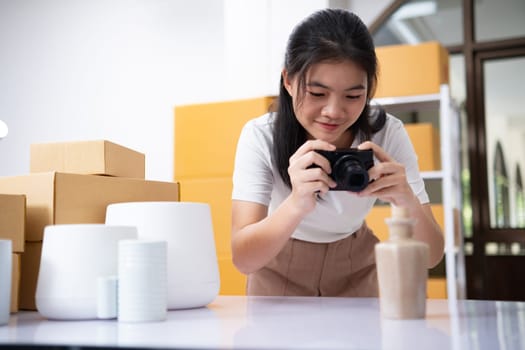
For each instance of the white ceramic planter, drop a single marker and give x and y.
(6, 252)
(193, 274)
(73, 258)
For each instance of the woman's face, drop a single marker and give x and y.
(334, 98)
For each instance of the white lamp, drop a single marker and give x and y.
(3, 129)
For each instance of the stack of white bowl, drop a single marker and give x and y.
(142, 281)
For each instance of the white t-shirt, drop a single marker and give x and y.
(339, 214)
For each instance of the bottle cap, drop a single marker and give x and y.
(399, 212)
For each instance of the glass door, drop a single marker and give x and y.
(501, 237)
(504, 94)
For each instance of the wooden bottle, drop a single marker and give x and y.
(402, 269)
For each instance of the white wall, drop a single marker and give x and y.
(74, 70)
(115, 69)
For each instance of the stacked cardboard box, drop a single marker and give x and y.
(12, 226)
(87, 157)
(74, 183)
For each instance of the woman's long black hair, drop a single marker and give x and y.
(327, 35)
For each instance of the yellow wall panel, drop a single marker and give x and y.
(206, 135)
(439, 214)
(425, 139)
(232, 281)
(376, 219)
(437, 288)
(406, 70)
(217, 193)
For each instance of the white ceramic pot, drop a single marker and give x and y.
(193, 273)
(6, 256)
(73, 258)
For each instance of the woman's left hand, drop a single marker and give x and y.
(390, 184)
(389, 179)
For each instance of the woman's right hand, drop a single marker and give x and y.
(257, 237)
(309, 174)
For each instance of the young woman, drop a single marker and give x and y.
(291, 234)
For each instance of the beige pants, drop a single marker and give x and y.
(342, 268)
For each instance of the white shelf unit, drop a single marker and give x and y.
(449, 175)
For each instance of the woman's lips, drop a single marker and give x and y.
(329, 127)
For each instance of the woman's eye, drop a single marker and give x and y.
(316, 94)
(353, 97)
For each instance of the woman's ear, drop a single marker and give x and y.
(286, 82)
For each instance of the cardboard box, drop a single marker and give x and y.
(61, 198)
(30, 265)
(15, 282)
(12, 219)
(425, 139)
(98, 157)
(407, 70)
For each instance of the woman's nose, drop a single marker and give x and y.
(334, 109)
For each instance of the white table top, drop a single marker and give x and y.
(237, 322)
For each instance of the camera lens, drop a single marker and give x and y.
(349, 174)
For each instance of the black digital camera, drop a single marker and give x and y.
(349, 168)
